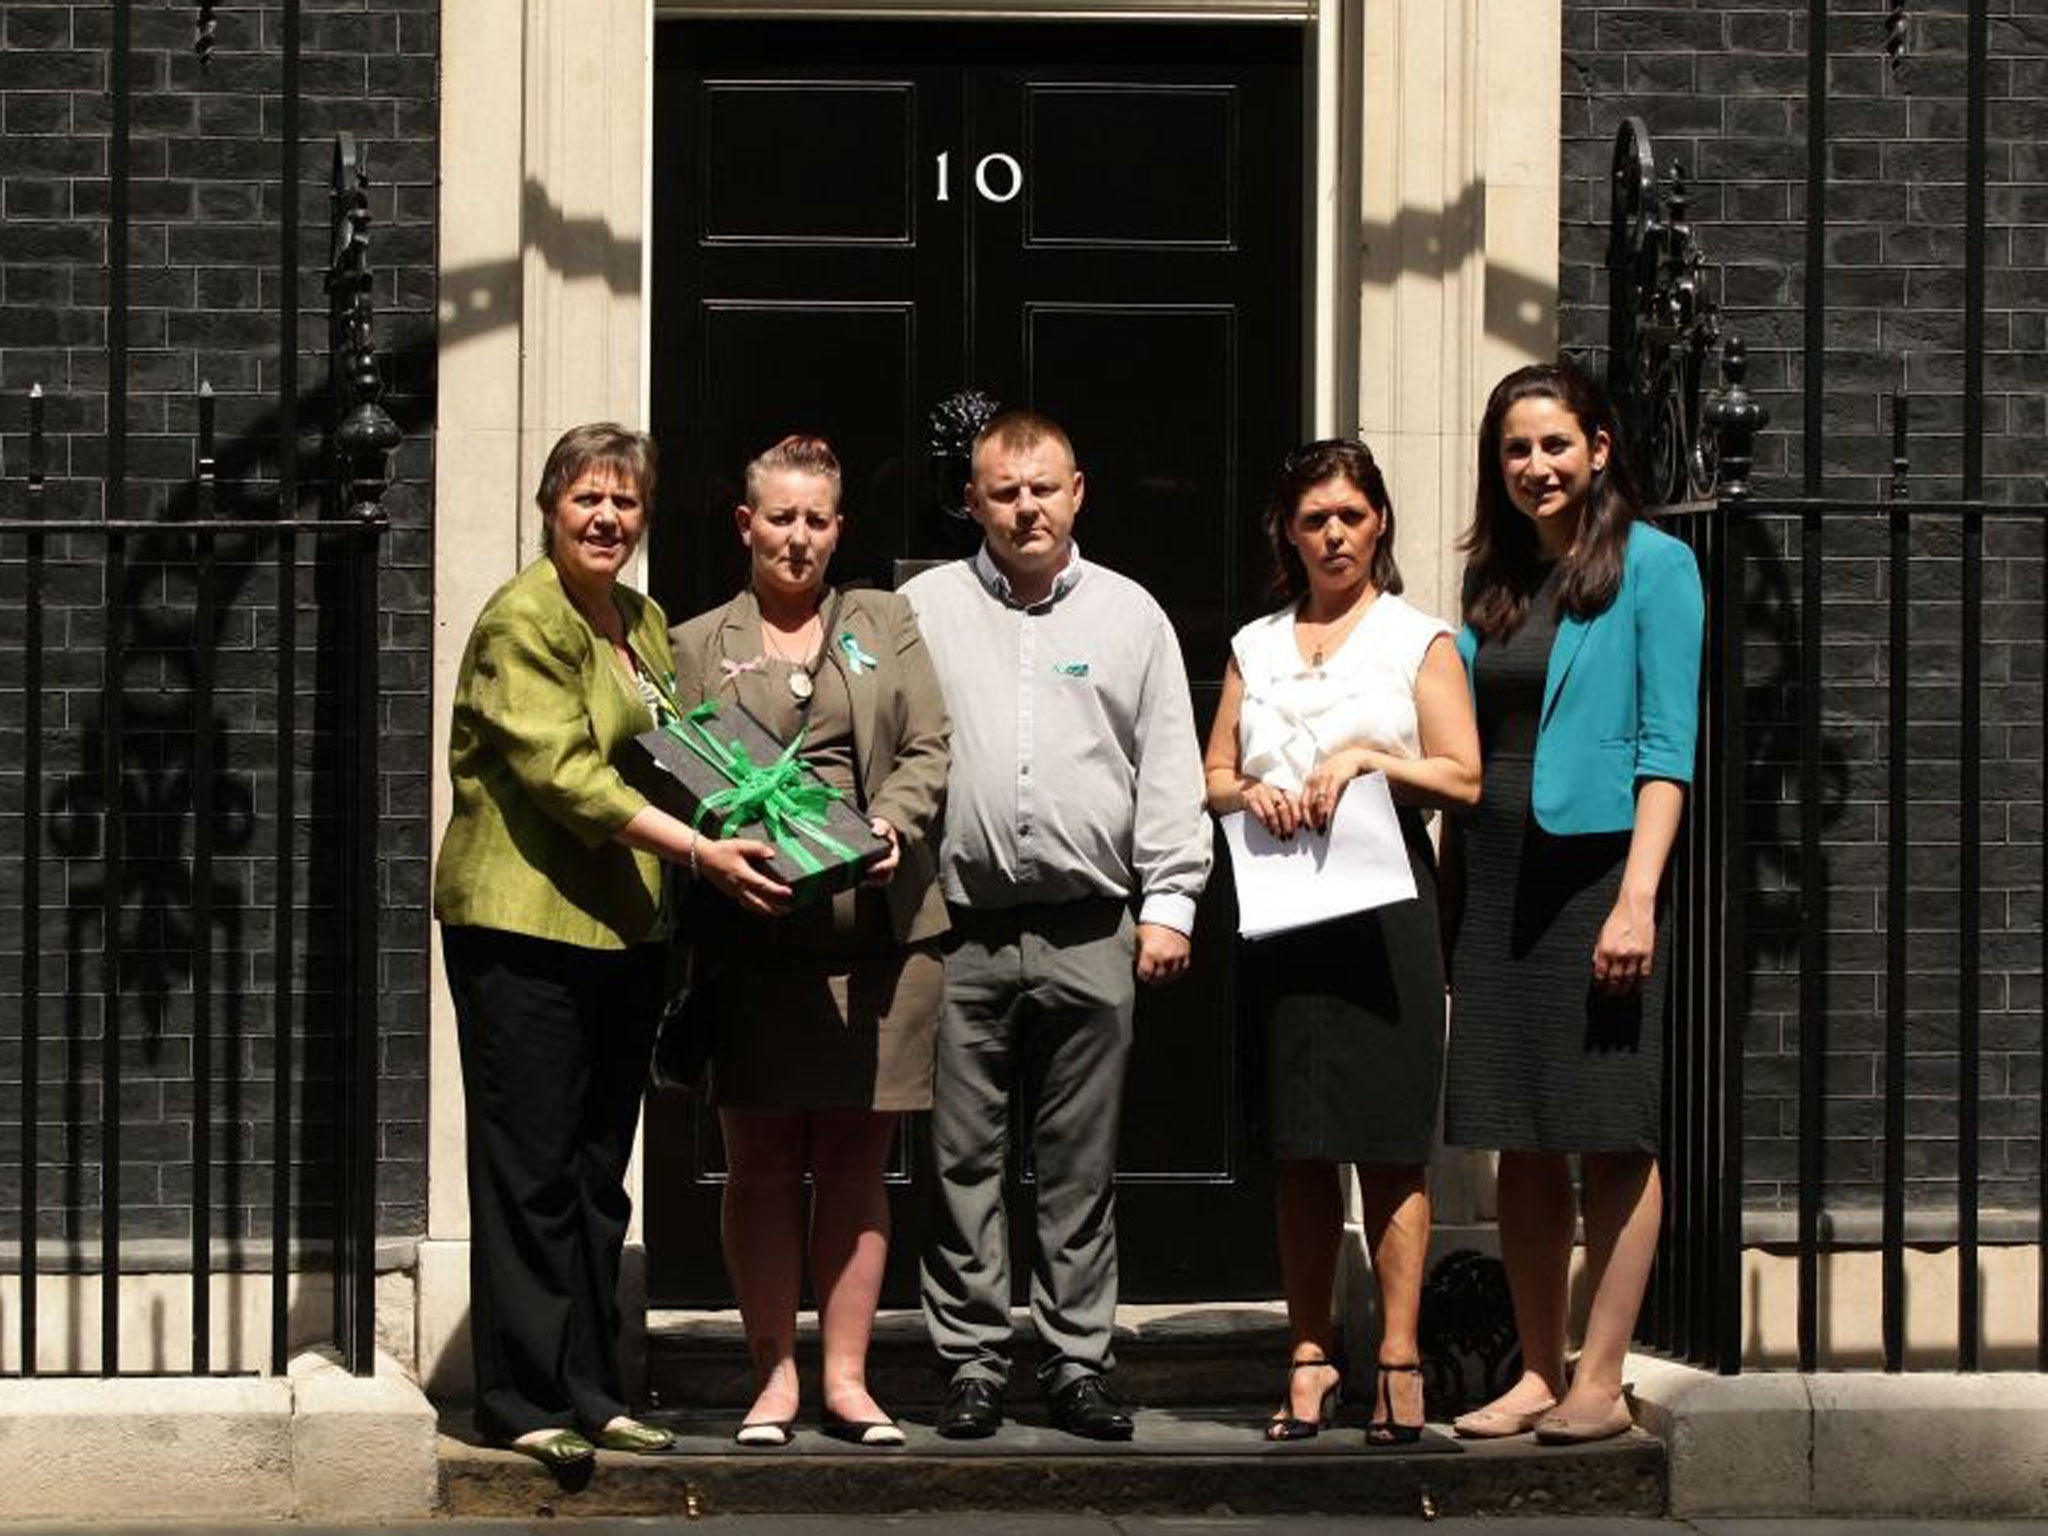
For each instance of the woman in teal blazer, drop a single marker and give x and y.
(1620, 692)
(1582, 644)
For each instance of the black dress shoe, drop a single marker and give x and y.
(973, 1410)
(1086, 1407)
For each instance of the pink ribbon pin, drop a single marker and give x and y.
(732, 669)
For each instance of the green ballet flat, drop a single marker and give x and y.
(558, 1450)
(633, 1436)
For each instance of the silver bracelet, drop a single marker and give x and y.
(695, 838)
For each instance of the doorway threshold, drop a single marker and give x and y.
(1168, 1354)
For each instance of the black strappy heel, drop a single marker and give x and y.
(1287, 1426)
(1391, 1431)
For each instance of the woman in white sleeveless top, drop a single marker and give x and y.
(1343, 1023)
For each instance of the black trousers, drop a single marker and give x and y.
(555, 1040)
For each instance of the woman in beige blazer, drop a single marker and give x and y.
(549, 891)
(824, 1015)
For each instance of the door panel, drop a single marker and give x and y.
(1145, 290)
(1113, 236)
(792, 265)
(754, 374)
(827, 163)
(1158, 506)
(1130, 164)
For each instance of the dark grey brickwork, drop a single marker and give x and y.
(204, 291)
(1722, 87)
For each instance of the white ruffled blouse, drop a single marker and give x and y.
(1363, 694)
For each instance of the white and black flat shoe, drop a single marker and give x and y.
(875, 1432)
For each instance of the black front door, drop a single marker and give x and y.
(1104, 222)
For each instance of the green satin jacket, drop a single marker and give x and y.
(542, 709)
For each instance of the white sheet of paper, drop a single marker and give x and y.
(1359, 864)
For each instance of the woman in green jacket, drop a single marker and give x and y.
(553, 928)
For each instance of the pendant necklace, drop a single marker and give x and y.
(1338, 631)
(800, 683)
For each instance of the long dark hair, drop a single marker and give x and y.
(1503, 560)
(1331, 458)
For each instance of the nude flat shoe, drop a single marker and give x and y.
(1556, 1429)
(1499, 1423)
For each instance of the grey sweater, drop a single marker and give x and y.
(1075, 767)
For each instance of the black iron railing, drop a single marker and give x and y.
(1933, 773)
(1693, 1309)
(1697, 1307)
(278, 611)
(1663, 335)
(1755, 879)
(157, 760)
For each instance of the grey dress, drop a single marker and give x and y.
(822, 1008)
(832, 1006)
(1539, 1060)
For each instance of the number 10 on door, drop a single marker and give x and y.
(997, 178)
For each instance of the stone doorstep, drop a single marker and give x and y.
(1777, 1443)
(1167, 1354)
(1184, 1461)
(316, 1443)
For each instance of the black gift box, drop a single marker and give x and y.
(678, 778)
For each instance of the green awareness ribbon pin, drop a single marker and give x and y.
(857, 660)
(782, 796)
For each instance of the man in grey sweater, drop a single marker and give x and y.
(1075, 793)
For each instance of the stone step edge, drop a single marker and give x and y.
(1623, 1478)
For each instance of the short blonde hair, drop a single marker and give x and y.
(796, 454)
(1019, 428)
(595, 445)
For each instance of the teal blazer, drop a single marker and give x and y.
(1621, 697)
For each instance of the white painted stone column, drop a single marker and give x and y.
(1456, 264)
(544, 157)
(1458, 237)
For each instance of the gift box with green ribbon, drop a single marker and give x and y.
(719, 769)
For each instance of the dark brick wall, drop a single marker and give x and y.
(204, 163)
(1723, 89)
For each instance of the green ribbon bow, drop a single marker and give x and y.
(857, 660)
(783, 796)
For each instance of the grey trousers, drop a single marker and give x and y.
(1039, 999)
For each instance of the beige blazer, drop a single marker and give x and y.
(900, 729)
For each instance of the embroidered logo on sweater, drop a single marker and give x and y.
(1070, 668)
